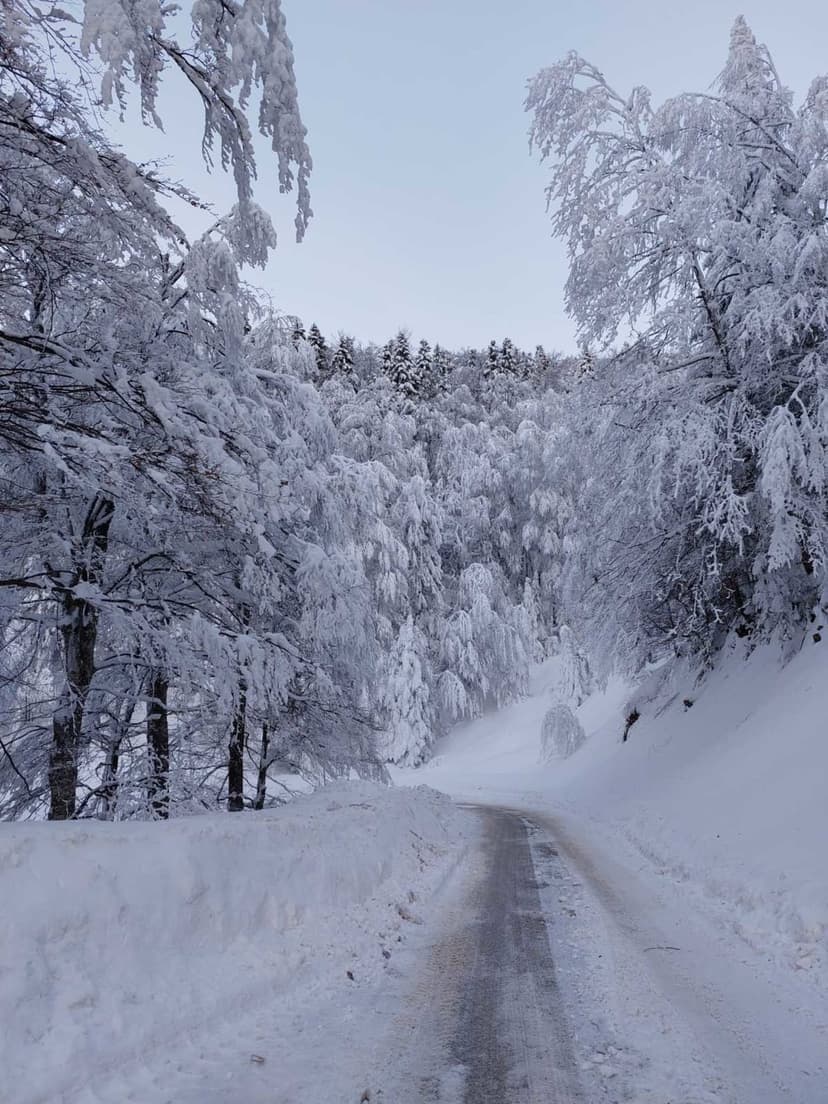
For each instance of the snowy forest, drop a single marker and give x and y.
(235, 548)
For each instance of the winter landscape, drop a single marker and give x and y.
(507, 650)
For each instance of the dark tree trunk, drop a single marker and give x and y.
(79, 634)
(158, 746)
(235, 765)
(108, 796)
(109, 787)
(67, 723)
(109, 790)
(261, 781)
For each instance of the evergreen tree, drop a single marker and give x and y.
(540, 364)
(342, 361)
(320, 349)
(492, 366)
(387, 358)
(440, 368)
(508, 358)
(297, 333)
(401, 370)
(585, 368)
(423, 377)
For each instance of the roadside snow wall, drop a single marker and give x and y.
(116, 937)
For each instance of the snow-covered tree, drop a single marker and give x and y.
(700, 227)
(399, 366)
(423, 371)
(508, 357)
(541, 363)
(145, 549)
(417, 519)
(342, 361)
(407, 697)
(440, 368)
(492, 363)
(320, 350)
(483, 646)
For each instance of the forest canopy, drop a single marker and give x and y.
(234, 549)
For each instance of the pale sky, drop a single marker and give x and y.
(429, 210)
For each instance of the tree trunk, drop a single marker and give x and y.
(108, 797)
(235, 765)
(158, 746)
(79, 633)
(261, 781)
(109, 789)
(67, 722)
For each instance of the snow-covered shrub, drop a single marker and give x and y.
(574, 670)
(561, 733)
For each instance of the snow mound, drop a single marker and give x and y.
(561, 733)
(117, 937)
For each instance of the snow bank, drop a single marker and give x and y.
(116, 938)
(721, 787)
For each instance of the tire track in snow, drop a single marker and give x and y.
(489, 992)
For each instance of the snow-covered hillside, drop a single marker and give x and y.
(139, 960)
(724, 797)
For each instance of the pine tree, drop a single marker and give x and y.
(440, 368)
(508, 358)
(540, 363)
(401, 369)
(492, 366)
(317, 343)
(342, 361)
(585, 369)
(423, 375)
(387, 357)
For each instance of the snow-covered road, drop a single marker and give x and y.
(663, 1003)
(557, 974)
(484, 1020)
(682, 875)
(485, 954)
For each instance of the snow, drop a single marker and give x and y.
(724, 798)
(280, 956)
(688, 907)
(147, 962)
(562, 733)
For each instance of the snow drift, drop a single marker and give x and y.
(119, 937)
